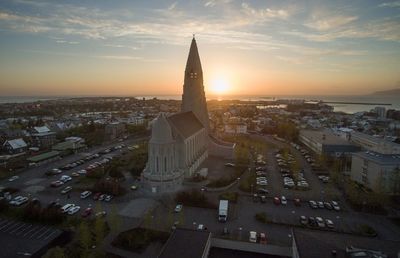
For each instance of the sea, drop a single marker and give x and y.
(343, 103)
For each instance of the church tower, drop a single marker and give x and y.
(193, 97)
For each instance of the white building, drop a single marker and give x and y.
(379, 172)
(375, 144)
(177, 147)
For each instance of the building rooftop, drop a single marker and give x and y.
(186, 243)
(43, 156)
(186, 123)
(19, 238)
(383, 159)
(17, 143)
(316, 244)
(324, 137)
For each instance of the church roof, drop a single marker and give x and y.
(161, 130)
(193, 62)
(186, 123)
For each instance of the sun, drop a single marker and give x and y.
(219, 86)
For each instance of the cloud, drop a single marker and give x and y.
(122, 57)
(329, 23)
(390, 4)
(265, 13)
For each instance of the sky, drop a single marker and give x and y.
(129, 47)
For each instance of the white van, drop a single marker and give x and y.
(85, 194)
(67, 207)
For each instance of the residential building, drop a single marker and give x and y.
(375, 144)
(114, 130)
(15, 146)
(378, 172)
(43, 137)
(325, 142)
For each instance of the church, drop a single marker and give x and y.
(180, 142)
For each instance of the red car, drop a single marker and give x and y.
(56, 183)
(297, 202)
(263, 238)
(87, 212)
(277, 201)
(96, 196)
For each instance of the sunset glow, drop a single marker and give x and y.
(139, 47)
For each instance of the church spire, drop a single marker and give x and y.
(193, 64)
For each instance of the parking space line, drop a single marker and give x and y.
(30, 230)
(54, 231)
(12, 225)
(7, 224)
(22, 231)
(31, 236)
(23, 225)
(49, 229)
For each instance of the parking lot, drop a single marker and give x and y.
(65, 186)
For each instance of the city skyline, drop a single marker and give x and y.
(247, 47)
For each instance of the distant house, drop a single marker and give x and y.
(43, 137)
(114, 130)
(68, 147)
(15, 146)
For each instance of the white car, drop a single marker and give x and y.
(66, 190)
(67, 207)
(320, 222)
(56, 171)
(178, 208)
(329, 223)
(13, 178)
(85, 194)
(65, 178)
(82, 172)
(252, 236)
(73, 210)
(283, 200)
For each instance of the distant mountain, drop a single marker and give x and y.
(388, 92)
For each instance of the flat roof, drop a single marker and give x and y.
(67, 145)
(44, 156)
(317, 244)
(186, 243)
(19, 238)
(324, 137)
(383, 159)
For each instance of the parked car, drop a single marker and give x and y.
(57, 183)
(108, 198)
(67, 207)
(297, 202)
(283, 200)
(328, 205)
(320, 222)
(101, 214)
(65, 178)
(87, 212)
(320, 205)
(229, 164)
(335, 206)
(102, 197)
(134, 187)
(263, 238)
(277, 201)
(253, 236)
(73, 210)
(329, 223)
(303, 220)
(201, 227)
(66, 190)
(13, 178)
(96, 196)
(178, 208)
(313, 204)
(312, 222)
(85, 194)
(74, 174)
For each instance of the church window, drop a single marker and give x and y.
(157, 164)
(165, 164)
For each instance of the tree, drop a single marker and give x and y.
(56, 252)
(84, 238)
(99, 230)
(395, 181)
(114, 220)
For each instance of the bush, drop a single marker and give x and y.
(245, 184)
(194, 198)
(261, 217)
(230, 196)
(367, 230)
(139, 238)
